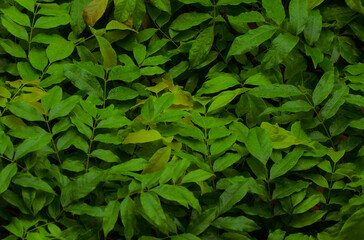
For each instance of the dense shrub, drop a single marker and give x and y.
(182, 120)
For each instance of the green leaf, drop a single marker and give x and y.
(281, 47)
(94, 11)
(64, 107)
(77, 23)
(163, 5)
(127, 73)
(159, 160)
(275, 10)
(107, 52)
(132, 165)
(26, 71)
(124, 9)
(232, 195)
(250, 40)
(53, 97)
(233, 2)
(25, 111)
(335, 155)
(14, 14)
(170, 116)
(15, 227)
(287, 163)
(111, 214)
(28, 4)
(105, 155)
(218, 84)
(316, 55)
(200, 222)
(28, 180)
(275, 90)
(356, 5)
(277, 234)
(225, 161)
(15, 29)
(6, 174)
(323, 88)
(241, 224)
(198, 175)
(205, 3)
(187, 20)
(223, 144)
(178, 194)
(122, 93)
(185, 236)
(142, 136)
(313, 27)
(201, 46)
(306, 219)
(334, 103)
(127, 215)
(12, 48)
(80, 187)
(153, 210)
(285, 187)
(298, 15)
(52, 22)
(163, 102)
(307, 204)
(353, 226)
(59, 49)
(246, 17)
(38, 58)
(85, 209)
(291, 106)
(83, 80)
(355, 99)
(225, 98)
(32, 144)
(259, 144)
(147, 110)
(311, 4)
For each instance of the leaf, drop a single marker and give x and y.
(155, 60)
(147, 110)
(77, 22)
(225, 98)
(277, 234)
(287, 163)
(127, 215)
(163, 102)
(27, 72)
(124, 9)
(259, 144)
(233, 2)
(187, 20)
(59, 49)
(223, 144)
(311, 4)
(201, 46)
(356, 5)
(105, 155)
(313, 27)
(225, 161)
(38, 58)
(122, 93)
(28, 180)
(198, 175)
(159, 160)
(132, 165)
(53, 97)
(275, 90)
(291, 106)
(64, 107)
(12, 48)
(111, 214)
(94, 11)
(281, 47)
(153, 210)
(334, 103)
(285, 187)
(28, 4)
(298, 15)
(85, 209)
(217, 84)
(15, 29)
(275, 10)
(205, 3)
(306, 219)
(80, 187)
(250, 40)
(6, 174)
(241, 224)
(323, 88)
(25, 111)
(307, 204)
(316, 55)
(107, 52)
(353, 226)
(232, 195)
(32, 144)
(163, 5)
(115, 25)
(355, 99)
(142, 136)
(201, 222)
(178, 194)
(335, 155)
(52, 22)
(83, 80)
(185, 236)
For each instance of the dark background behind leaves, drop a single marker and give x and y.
(188, 119)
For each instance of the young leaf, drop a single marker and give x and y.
(323, 88)
(275, 10)
(251, 40)
(158, 161)
(201, 46)
(142, 136)
(259, 144)
(94, 11)
(298, 15)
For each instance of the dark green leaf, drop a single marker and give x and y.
(275, 10)
(201, 46)
(6, 174)
(298, 15)
(28, 180)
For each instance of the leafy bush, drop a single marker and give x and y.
(188, 119)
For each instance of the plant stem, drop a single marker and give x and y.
(53, 143)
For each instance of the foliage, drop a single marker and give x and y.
(188, 119)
